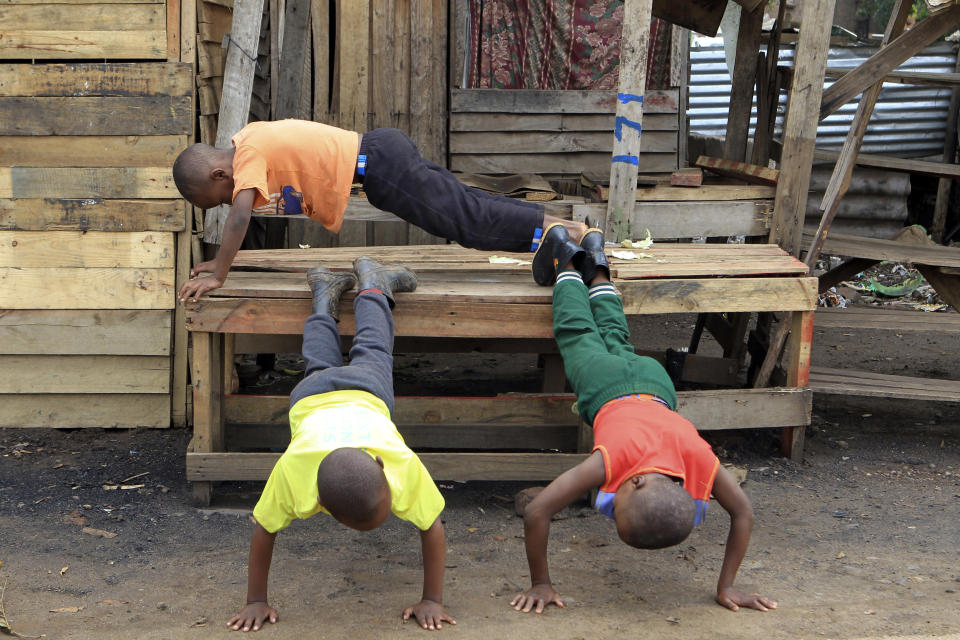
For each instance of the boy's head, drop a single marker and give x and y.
(653, 511)
(204, 175)
(353, 488)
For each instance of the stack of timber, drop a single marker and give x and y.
(557, 133)
(90, 220)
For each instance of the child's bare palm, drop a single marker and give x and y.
(252, 617)
(429, 614)
(733, 600)
(540, 596)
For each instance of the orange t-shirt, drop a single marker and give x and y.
(640, 435)
(296, 166)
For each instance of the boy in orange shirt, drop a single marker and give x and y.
(653, 470)
(301, 167)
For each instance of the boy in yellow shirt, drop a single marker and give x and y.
(345, 456)
(301, 167)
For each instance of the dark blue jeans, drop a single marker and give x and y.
(371, 355)
(399, 180)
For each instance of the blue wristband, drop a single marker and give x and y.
(361, 165)
(536, 239)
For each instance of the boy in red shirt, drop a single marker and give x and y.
(653, 471)
(301, 167)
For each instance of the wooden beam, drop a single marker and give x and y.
(91, 151)
(46, 45)
(744, 76)
(882, 318)
(919, 167)
(877, 385)
(86, 288)
(901, 49)
(72, 374)
(562, 101)
(63, 410)
(944, 186)
(51, 116)
(101, 332)
(141, 249)
(93, 182)
(353, 28)
(238, 74)
(914, 78)
(750, 173)
(800, 127)
(91, 214)
(122, 79)
(208, 434)
(688, 219)
(624, 164)
(296, 33)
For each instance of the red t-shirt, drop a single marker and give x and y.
(638, 434)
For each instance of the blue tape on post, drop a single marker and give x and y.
(361, 165)
(624, 98)
(627, 159)
(619, 123)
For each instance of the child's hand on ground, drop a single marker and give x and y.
(208, 266)
(733, 600)
(253, 616)
(196, 287)
(429, 614)
(540, 595)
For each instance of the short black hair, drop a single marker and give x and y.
(191, 167)
(351, 485)
(661, 515)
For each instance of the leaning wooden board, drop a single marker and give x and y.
(462, 296)
(88, 222)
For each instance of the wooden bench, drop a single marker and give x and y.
(464, 301)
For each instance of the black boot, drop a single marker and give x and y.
(595, 260)
(556, 250)
(389, 279)
(327, 287)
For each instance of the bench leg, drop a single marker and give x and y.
(208, 429)
(554, 378)
(798, 375)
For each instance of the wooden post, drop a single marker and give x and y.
(843, 169)
(768, 94)
(800, 127)
(241, 62)
(629, 115)
(296, 34)
(680, 77)
(353, 33)
(320, 27)
(798, 375)
(744, 76)
(208, 429)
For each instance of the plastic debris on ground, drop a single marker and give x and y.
(886, 284)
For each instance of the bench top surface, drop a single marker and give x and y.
(451, 268)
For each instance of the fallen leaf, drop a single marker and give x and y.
(75, 518)
(506, 260)
(841, 555)
(624, 255)
(869, 612)
(67, 610)
(98, 532)
(499, 538)
(673, 620)
(57, 466)
(64, 570)
(112, 602)
(638, 244)
(472, 529)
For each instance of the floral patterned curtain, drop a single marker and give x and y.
(555, 44)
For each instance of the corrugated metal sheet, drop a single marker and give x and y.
(908, 121)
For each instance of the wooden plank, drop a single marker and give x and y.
(88, 16)
(123, 410)
(901, 49)
(353, 26)
(320, 32)
(107, 332)
(915, 78)
(876, 385)
(563, 122)
(730, 295)
(702, 16)
(892, 250)
(741, 92)
(857, 317)
(45, 45)
(517, 101)
(107, 182)
(95, 116)
(554, 142)
(207, 378)
(90, 151)
(800, 126)
(172, 27)
(237, 90)
(382, 52)
(69, 288)
(798, 375)
(423, 117)
(72, 374)
(920, 167)
(718, 192)
(208, 467)
(95, 79)
(692, 218)
(565, 163)
(140, 249)
(296, 34)
(687, 177)
(3, 2)
(751, 173)
(35, 214)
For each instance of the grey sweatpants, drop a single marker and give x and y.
(371, 355)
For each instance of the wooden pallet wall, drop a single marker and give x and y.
(555, 132)
(90, 224)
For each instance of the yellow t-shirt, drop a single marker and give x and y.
(327, 421)
(296, 166)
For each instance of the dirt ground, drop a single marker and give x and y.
(858, 541)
